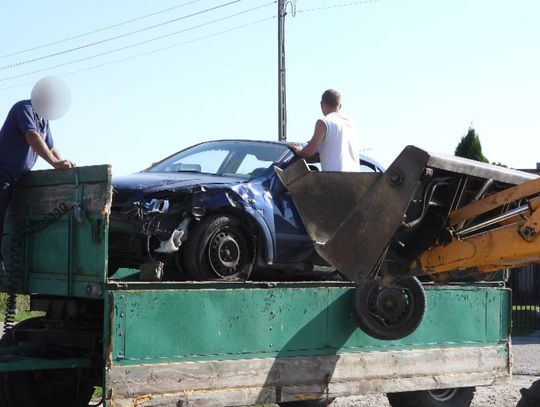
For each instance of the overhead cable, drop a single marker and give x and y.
(101, 54)
(91, 44)
(340, 5)
(98, 30)
(239, 27)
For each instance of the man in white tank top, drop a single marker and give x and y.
(335, 138)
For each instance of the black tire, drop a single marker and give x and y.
(307, 403)
(530, 397)
(218, 249)
(44, 388)
(390, 313)
(455, 397)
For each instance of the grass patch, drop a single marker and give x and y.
(98, 392)
(22, 311)
(21, 316)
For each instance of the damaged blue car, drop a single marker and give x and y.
(216, 210)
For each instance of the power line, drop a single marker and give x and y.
(184, 17)
(101, 54)
(87, 33)
(239, 27)
(349, 4)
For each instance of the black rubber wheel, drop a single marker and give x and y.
(307, 403)
(530, 397)
(390, 313)
(44, 388)
(455, 397)
(217, 249)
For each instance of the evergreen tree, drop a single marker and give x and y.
(470, 147)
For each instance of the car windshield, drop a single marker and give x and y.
(241, 159)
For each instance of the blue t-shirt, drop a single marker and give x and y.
(16, 155)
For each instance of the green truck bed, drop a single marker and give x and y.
(252, 343)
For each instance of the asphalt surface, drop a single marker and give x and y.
(525, 369)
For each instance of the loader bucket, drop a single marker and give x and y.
(373, 225)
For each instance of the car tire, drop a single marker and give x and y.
(389, 313)
(455, 397)
(218, 249)
(530, 397)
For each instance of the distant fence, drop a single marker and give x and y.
(525, 285)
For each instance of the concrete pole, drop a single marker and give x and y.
(282, 104)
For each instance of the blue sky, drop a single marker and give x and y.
(410, 71)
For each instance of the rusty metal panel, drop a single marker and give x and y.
(169, 346)
(153, 325)
(69, 257)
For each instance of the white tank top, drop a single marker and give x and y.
(340, 149)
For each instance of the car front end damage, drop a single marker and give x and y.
(150, 224)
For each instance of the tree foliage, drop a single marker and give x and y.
(470, 147)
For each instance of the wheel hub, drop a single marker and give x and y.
(392, 305)
(229, 252)
(224, 253)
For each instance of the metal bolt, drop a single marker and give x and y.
(395, 178)
(527, 233)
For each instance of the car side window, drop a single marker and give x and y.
(251, 164)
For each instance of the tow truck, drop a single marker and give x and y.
(294, 343)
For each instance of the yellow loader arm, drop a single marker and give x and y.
(507, 240)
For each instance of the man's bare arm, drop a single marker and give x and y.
(40, 147)
(312, 147)
(56, 153)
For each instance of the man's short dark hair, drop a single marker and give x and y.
(331, 97)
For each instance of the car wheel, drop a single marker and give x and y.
(218, 249)
(455, 397)
(390, 313)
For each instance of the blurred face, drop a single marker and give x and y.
(51, 98)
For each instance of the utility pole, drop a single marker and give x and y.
(282, 82)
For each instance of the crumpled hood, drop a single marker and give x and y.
(161, 181)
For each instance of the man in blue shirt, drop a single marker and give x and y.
(24, 136)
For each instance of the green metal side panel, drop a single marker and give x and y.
(70, 256)
(163, 325)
